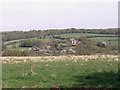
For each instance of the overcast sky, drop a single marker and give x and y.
(47, 15)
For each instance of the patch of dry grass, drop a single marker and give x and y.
(57, 58)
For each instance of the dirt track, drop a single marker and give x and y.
(56, 58)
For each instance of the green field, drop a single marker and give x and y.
(66, 73)
(77, 35)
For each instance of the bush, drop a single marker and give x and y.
(4, 46)
(112, 47)
(15, 53)
(31, 43)
(84, 40)
(82, 49)
(101, 44)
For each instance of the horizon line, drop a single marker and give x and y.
(55, 29)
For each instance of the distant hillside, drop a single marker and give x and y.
(15, 35)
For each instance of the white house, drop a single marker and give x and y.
(73, 41)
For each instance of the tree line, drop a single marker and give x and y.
(15, 35)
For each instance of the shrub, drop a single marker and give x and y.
(112, 47)
(15, 53)
(31, 43)
(82, 49)
(4, 46)
(101, 44)
(84, 40)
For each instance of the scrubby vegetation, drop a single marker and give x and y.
(60, 42)
(16, 53)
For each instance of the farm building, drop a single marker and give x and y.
(74, 41)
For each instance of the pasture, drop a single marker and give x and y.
(65, 71)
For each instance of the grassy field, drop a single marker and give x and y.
(65, 71)
(77, 35)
